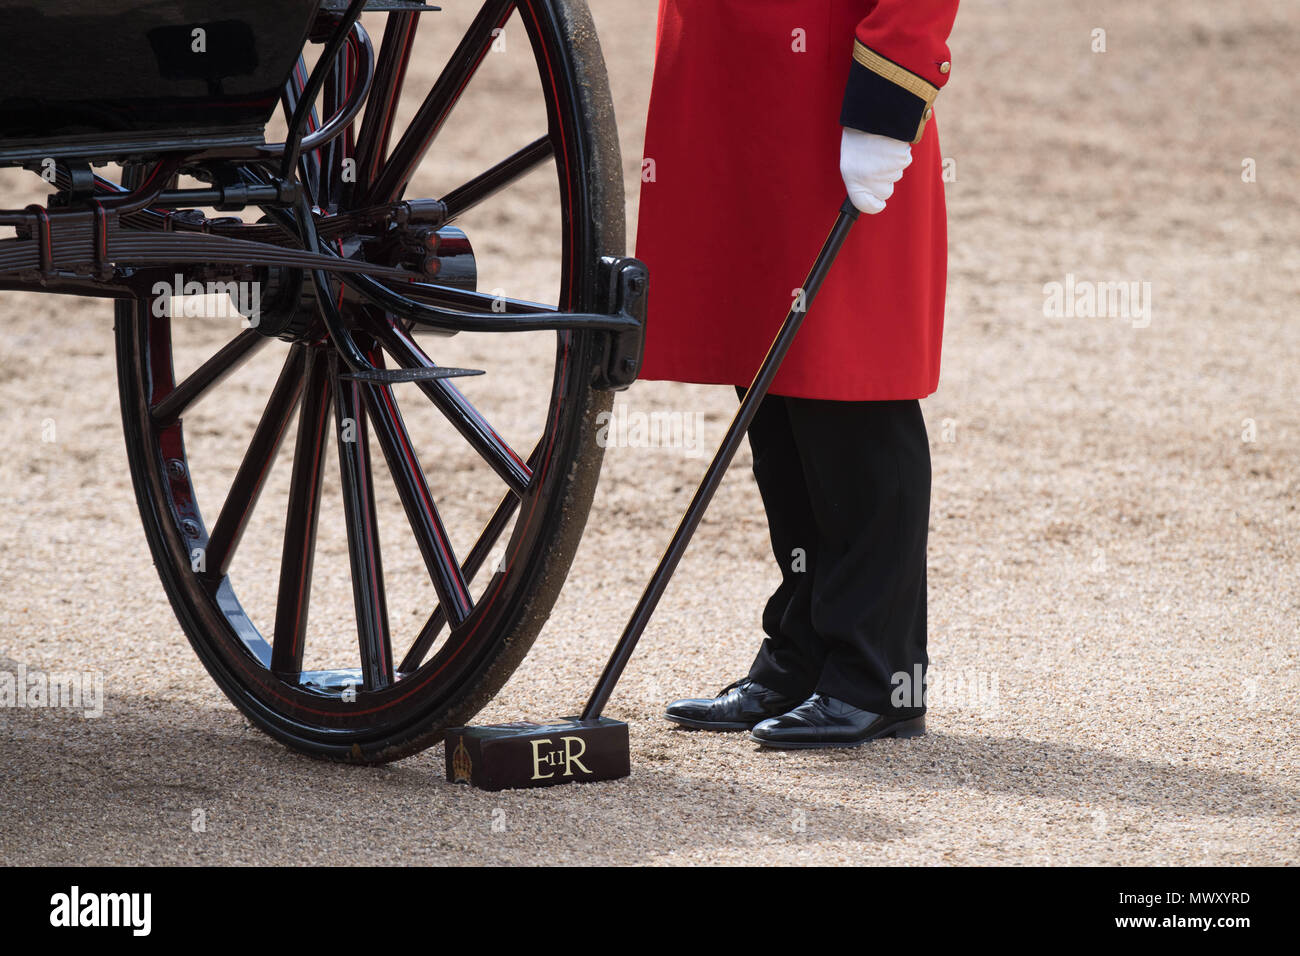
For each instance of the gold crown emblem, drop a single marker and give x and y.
(461, 765)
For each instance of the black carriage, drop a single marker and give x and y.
(149, 122)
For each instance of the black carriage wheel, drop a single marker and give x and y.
(407, 691)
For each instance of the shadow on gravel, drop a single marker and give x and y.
(156, 782)
(1051, 770)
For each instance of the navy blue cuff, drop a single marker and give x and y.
(884, 98)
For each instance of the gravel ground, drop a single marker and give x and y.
(1114, 578)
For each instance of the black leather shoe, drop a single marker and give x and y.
(822, 721)
(738, 706)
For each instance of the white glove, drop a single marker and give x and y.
(870, 165)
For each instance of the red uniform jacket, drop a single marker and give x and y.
(741, 183)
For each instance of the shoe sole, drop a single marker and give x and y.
(710, 725)
(902, 730)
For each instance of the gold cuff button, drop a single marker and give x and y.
(929, 113)
(945, 66)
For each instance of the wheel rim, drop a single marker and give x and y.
(395, 691)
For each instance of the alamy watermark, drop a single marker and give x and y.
(962, 688)
(1084, 299)
(133, 911)
(72, 691)
(241, 300)
(628, 428)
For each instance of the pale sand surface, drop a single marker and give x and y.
(1107, 553)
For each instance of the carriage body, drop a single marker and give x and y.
(119, 79)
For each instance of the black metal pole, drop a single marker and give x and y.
(718, 467)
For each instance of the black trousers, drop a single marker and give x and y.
(846, 488)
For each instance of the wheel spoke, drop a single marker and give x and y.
(463, 416)
(487, 184)
(215, 370)
(300, 524)
(385, 91)
(421, 511)
(498, 523)
(437, 106)
(249, 481)
(363, 531)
